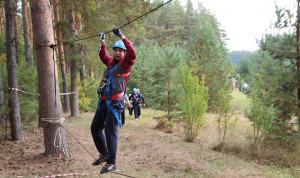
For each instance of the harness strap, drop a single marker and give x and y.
(113, 97)
(114, 111)
(99, 109)
(122, 75)
(108, 99)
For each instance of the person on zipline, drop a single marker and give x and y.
(111, 99)
(142, 100)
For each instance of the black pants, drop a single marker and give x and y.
(106, 144)
(123, 116)
(139, 109)
(130, 111)
(135, 109)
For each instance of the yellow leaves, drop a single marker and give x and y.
(3, 59)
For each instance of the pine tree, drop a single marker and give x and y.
(26, 34)
(49, 103)
(15, 117)
(60, 48)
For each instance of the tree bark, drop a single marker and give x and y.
(74, 97)
(82, 72)
(91, 72)
(2, 118)
(31, 34)
(18, 49)
(1, 23)
(298, 64)
(49, 102)
(15, 117)
(26, 34)
(61, 57)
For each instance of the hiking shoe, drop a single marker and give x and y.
(100, 160)
(108, 168)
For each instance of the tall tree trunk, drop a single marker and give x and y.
(169, 91)
(91, 72)
(49, 103)
(298, 64)
(74, 97)
(15, 117)
(4, 17)
(26, 34)
(18, 49)
(82, 72)
(1, 23)
(61, 57)
(2, 119)
(31, 34)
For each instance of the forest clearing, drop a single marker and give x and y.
(148, 152)
(70, 69)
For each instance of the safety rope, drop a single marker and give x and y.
(22, 91)
(62, 175)
(59, 130)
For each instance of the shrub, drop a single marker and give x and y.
(88, 97)
(194, 102)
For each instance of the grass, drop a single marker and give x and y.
(240, 102)
(147, 152)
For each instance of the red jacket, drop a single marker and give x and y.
(125, 65)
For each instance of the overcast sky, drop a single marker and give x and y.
(244, 20)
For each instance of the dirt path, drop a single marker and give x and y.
(143, 152)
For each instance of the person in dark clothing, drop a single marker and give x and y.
(142, 100)
(111, 101)
(135, 102)
(130, 108)
(126, 100)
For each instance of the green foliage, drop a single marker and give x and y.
(154, 73)
(165, 125)
(208, 54)
(223, 108)
(194, 103)
(261, 113)
(27, 81)
(88, 97)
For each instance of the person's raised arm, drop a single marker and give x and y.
(130, 52)
(102, 50)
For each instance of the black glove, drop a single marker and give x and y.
(117, 32)
(102, 36)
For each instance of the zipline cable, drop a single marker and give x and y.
(123, 24)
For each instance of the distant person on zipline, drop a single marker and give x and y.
(111, 99)
(142, 100)
(134, 98)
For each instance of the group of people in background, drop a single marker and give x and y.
(134, 103)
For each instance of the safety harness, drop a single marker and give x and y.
(111, 81)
